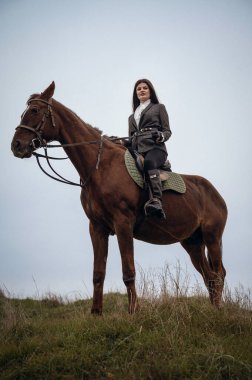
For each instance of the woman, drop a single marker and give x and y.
(149, 129)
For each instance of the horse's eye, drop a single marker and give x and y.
(34, 110)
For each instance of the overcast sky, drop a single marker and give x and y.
(197, 54)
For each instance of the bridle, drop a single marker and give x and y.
(40, 142)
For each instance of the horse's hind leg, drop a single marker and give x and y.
(216, 283)
(100, 246)
(212, 229)
(195, 247)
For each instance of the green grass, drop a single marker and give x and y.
(169, 338)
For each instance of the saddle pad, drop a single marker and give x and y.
(174, 181)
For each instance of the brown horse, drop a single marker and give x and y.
(114, 203)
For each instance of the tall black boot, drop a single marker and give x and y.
(154, 204)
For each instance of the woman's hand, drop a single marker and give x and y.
(158, 137)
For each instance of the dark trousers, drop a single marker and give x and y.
(153, 159)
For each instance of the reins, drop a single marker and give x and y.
(60, 178)
(39, 142)
(79, 143)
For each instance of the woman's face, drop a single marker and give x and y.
(143, 92)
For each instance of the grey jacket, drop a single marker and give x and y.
(153, 118)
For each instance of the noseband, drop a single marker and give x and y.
(39, 142)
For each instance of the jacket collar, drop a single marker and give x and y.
(146, 108)
(141, 118)
(143, 112)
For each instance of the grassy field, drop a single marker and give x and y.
(172, 337)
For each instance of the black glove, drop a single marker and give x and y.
(157, 136)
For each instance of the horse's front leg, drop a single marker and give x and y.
(124, 232)
(100, 246)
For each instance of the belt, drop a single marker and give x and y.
(148, 129)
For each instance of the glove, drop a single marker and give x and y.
(158, 136)
(128, 142)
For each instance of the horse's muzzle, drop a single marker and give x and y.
(21, 149)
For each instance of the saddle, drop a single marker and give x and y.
(170, 180)
(139, 160)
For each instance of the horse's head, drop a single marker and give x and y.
(37, 125)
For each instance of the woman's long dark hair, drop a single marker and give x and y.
(153, 95)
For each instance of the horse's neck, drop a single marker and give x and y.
(74, 130)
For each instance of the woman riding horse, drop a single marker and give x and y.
(113, 202)
(149, 129)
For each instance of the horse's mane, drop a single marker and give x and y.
(82, 121)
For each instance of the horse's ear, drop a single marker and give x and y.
(49, 91)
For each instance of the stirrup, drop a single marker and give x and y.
(153, 207)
